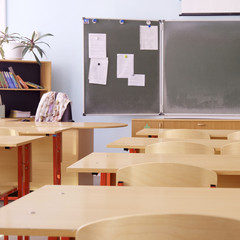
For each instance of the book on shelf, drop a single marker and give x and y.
(14, 77)
(12, 80)
(4, 82)
(33, 85)
(8, 80)
(20, 114)
(23, 83)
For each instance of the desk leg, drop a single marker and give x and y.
(27, 168)
(133, 150)
(108, 179)
(57, 158)
(103, 179)
(20, 171)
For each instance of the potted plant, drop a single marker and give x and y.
(32, 45)
(15, 46)
(8, 44)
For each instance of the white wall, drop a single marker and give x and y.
(64, 20)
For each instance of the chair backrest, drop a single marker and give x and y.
(179, 147)
(4, 131)
(157, 227)
(166, 175)
(184, 134)
(231, 149)
(234, 135)
(54, 107)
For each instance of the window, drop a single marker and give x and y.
(2, 15)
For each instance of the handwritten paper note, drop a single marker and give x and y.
(125, 65)
(97, 45)
(98, 71)
(148, 37)
(137, 80)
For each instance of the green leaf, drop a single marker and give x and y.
(38, 61)
(44, 35)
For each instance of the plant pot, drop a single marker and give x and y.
(11, 52)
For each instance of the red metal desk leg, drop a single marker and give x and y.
(57, 158)
(27, 168)
(20, 171)
(108, 179)
(132, 150)
(103, 179)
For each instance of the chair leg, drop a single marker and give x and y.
(5, 202)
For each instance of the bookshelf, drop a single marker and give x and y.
(26, 99)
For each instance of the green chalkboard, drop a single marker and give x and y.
(116, 97)
(201, 67)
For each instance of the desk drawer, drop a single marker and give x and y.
(202, 124)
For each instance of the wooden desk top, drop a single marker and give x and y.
(111, 162)
(141, 143)
(214, 133)
(34, 130)
(15, 141)
(70, 125)
(60, 210)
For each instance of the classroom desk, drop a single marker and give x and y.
(214, 133)
(77, 142)
(227, 167)
(136, 144)
(69, 207)
(56, 134)
(23, 154)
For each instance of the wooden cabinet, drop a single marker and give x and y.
(138, 124)
(26, 99)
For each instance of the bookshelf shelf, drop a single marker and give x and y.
(22, 89)
(26, 99)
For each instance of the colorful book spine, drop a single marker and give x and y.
(5, 84)
(1, 81)
(6, 80)
(34, 85)
(9, 80)
(11, 71)
(13, 80)
(24, 85)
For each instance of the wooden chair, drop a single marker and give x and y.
(234, 135)
(231, 149)
(179, 147)
(166, 175)
(5, 131)
(156, 226)
(184, 134)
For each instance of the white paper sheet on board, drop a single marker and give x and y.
(137, 80)
(148, 37)
(125, 65)
(97, 45)
(98, 71)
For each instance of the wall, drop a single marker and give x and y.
(64, 20)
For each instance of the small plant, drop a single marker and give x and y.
(32, 44)
(6, 37)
